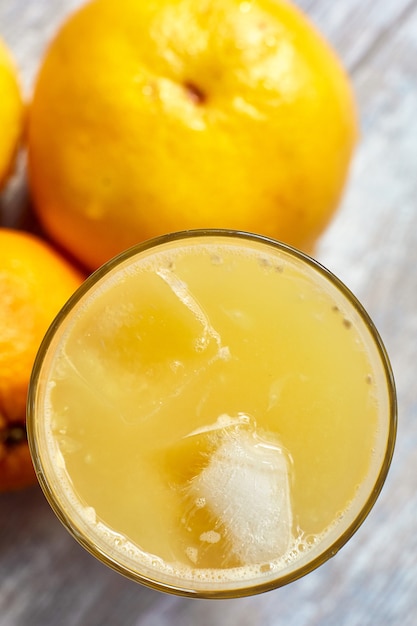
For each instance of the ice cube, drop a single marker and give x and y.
(149, 352)
(182, 292)
(246, 489)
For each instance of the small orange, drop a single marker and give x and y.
(11, 113)
(35, 282)
(149, 117)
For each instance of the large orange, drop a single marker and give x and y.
(149, 117)
(35, 282)
(11, 113)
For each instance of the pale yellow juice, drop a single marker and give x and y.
(212, 414)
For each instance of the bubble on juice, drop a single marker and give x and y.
(192, 554)
(201, 343)
(211, 536)
(176, 365)
(224, 353)
(89, 514)
(245, 489)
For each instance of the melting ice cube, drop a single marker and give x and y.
(246, 489)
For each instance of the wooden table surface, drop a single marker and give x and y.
(46, 579)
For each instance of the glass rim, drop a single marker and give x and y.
(248, 586)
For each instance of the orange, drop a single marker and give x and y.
(11, 113)
(149, 117)
(35, 282)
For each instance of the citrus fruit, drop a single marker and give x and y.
(11, 113)
(35, 282)
(179, 114)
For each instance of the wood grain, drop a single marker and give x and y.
(47, 579)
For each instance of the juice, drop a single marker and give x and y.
(212, 413)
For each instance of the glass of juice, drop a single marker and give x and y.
(212, 414)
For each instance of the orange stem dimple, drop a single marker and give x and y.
(194, 92)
